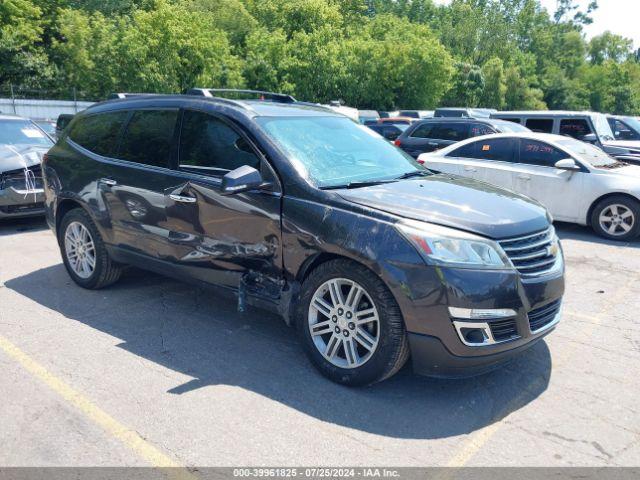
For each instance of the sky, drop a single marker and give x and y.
(619, 16)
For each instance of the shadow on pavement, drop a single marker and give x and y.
(573, 231)
(11, 226)
(199, 333)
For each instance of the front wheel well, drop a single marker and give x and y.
(65, 207)
(604, 197)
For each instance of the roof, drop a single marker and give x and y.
(544, 113)
(251, 108)
(543, 137)
(462, 120)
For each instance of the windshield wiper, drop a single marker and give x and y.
(415, 173)
(369, 183)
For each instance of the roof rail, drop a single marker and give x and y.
(130, 95)
(261, 95)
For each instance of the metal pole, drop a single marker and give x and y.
(75, 100)
(13, 99)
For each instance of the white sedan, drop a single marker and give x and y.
(576, 181)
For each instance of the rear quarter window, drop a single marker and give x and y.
(99, 133)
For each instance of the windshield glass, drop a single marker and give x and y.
(632, 123)
(508, 127)
(22, 132)
(603, 129)
(336, 151)
(587, 152)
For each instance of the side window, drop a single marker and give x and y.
(622, 131)
(575, 127)
(500, 149)
(99, 133)
(207, 143)
(423, 131)
(466, 151)
(533, 152)
(451, 131)
(541, 125)
(479, 129)
(149, 137)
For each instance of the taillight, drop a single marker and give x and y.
(421, 162)
(397, 142)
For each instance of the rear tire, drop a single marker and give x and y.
(358, 333)
(84, 253)
(616, 218)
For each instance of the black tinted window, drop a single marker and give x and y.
(576, 128)
(451, 131)
(533, 152)
(423, 131)
(495, 149)
(149, 137)
(99, 133)
(542, 125)
(478, 129)
(208, 143)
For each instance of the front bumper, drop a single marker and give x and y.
(16, 203)
(437, 348)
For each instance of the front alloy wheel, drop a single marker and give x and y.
(617, 220)
(344, 323)
(617, 217)
(350, 324)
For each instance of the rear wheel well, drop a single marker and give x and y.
(603, 197)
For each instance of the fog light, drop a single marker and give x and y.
(481, 313)
(474, 334)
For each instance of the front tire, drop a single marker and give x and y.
(616, 218)
(84, 253)
(350, 325)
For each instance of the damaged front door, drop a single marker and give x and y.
(229, 240)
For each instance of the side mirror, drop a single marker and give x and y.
(567, 164)
(242, 179)
(590, 138)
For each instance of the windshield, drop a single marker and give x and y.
(508, 127)
(336, 151)
(587, 152)
(603, 129)
(22, 132)
(632, 123)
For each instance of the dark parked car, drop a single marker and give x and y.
(22, 145)
(436, 133)
(456, 112)
(304, 212)
(390, 131)
(61, 123)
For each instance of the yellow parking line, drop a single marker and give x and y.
(475, 441)
(128, 437)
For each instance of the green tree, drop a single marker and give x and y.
(495, 88)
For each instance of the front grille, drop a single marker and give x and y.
(26, 208)
(533, 254)
(503, 330)
(543, 316)
(18, 178)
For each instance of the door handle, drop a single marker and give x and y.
(524, 177)
(108, 181)
(434, 144)
(182, 198)
(470, 169)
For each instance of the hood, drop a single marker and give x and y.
(628, 171)
(14, 157)
(455, 202)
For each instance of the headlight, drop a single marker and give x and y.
(446, 246)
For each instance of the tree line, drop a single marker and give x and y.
(379, 54)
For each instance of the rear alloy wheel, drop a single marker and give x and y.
(617, 218)
(351, 325)
(84, 253)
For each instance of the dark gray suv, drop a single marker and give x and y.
(302, 211)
